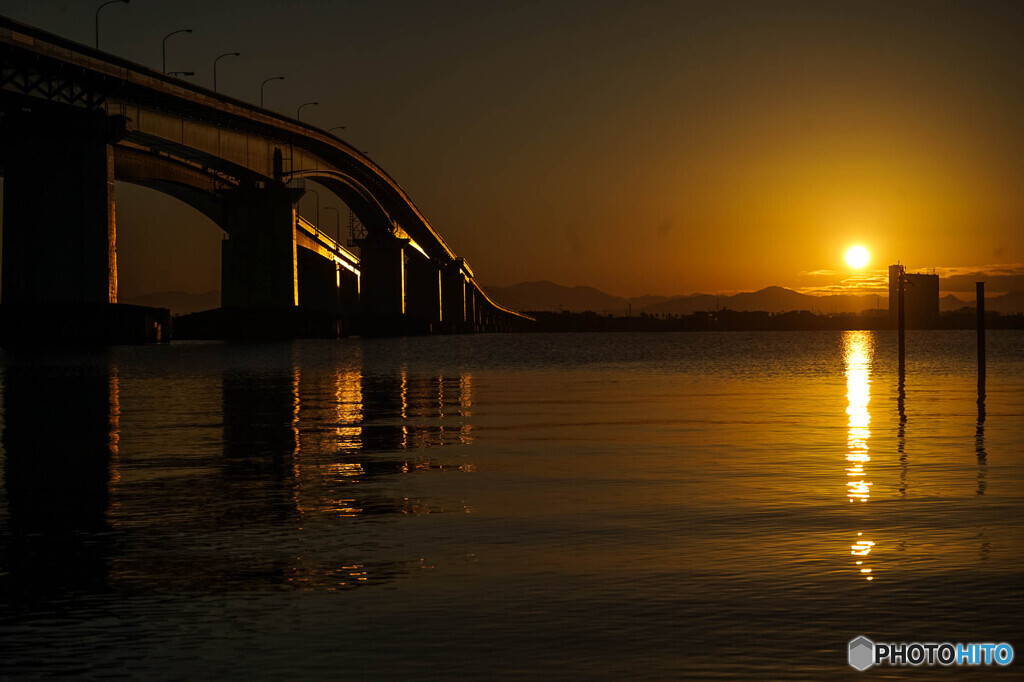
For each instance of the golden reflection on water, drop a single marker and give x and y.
(348, 408)
(356, 430)
(465, 408)
(115, 426)
(350, 429)
(857, 357)
(858, 349)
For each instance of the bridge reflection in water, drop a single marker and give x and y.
(318, 451)
(60, 439)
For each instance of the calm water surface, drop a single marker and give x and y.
(650, 506)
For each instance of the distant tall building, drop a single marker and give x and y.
(920, 299)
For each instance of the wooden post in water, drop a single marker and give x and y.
(980, 302)
(901, 320)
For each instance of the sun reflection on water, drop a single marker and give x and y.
(857, 354)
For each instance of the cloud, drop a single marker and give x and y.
(829, 282)
(999, 277)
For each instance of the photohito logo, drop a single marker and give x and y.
(863, 653)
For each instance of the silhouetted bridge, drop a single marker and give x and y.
(75, 119)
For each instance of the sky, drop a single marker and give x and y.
(639, 147)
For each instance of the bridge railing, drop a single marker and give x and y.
(327, 241)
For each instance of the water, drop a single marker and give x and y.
(549, 507)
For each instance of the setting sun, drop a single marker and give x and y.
(857, 257)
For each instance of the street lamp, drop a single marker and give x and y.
(111, 2)
(182, 30)
(263, 84)
(298, 112)
(181, 73)
(335, 128)
(226, 54)
(337, 222)
(316, 195)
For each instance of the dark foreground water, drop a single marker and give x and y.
(517, 506)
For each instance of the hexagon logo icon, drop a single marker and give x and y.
(862, 653)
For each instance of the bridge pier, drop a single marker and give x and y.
(349, 292)
(59, 235)
(382, 265)
(59, 240)
(472, 309)
(453, 298)
(258, 259)
(423, 292)
(319, 282)
(260, 268)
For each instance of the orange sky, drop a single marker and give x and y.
(642, 148)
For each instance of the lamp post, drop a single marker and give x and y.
(337, 222)
(335, 128)
(111, 2)
(172, 33)
(298, 112)
(264, 83)
(226, 54)
(316, 195)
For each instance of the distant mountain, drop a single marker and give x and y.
(179, 302)
(771, 299)
(1012, 302)
(642, 302)
(950, 302)
(545, 295)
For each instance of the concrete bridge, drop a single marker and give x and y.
(74, 119)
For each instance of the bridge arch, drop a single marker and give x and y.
(193, 186)
(364, 204)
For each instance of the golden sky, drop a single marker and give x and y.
(639, 147)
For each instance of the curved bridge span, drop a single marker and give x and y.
(75, 119)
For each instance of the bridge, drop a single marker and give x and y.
(74, 119)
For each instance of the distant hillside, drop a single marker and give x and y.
(1012, 302)
(544, 295)
(179, 302)
(549, 296)
(950, 302)
(771, 299)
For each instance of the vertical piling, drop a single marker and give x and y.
(979, 434)
(901, 321)
(980, 293)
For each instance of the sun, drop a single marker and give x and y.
(857, 256)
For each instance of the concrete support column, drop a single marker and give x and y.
(349, 288)
(423, 291)
(382, 266)
(319, 282)
(258, 260)
(471, 309)
(59, 241)
(453, 298)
